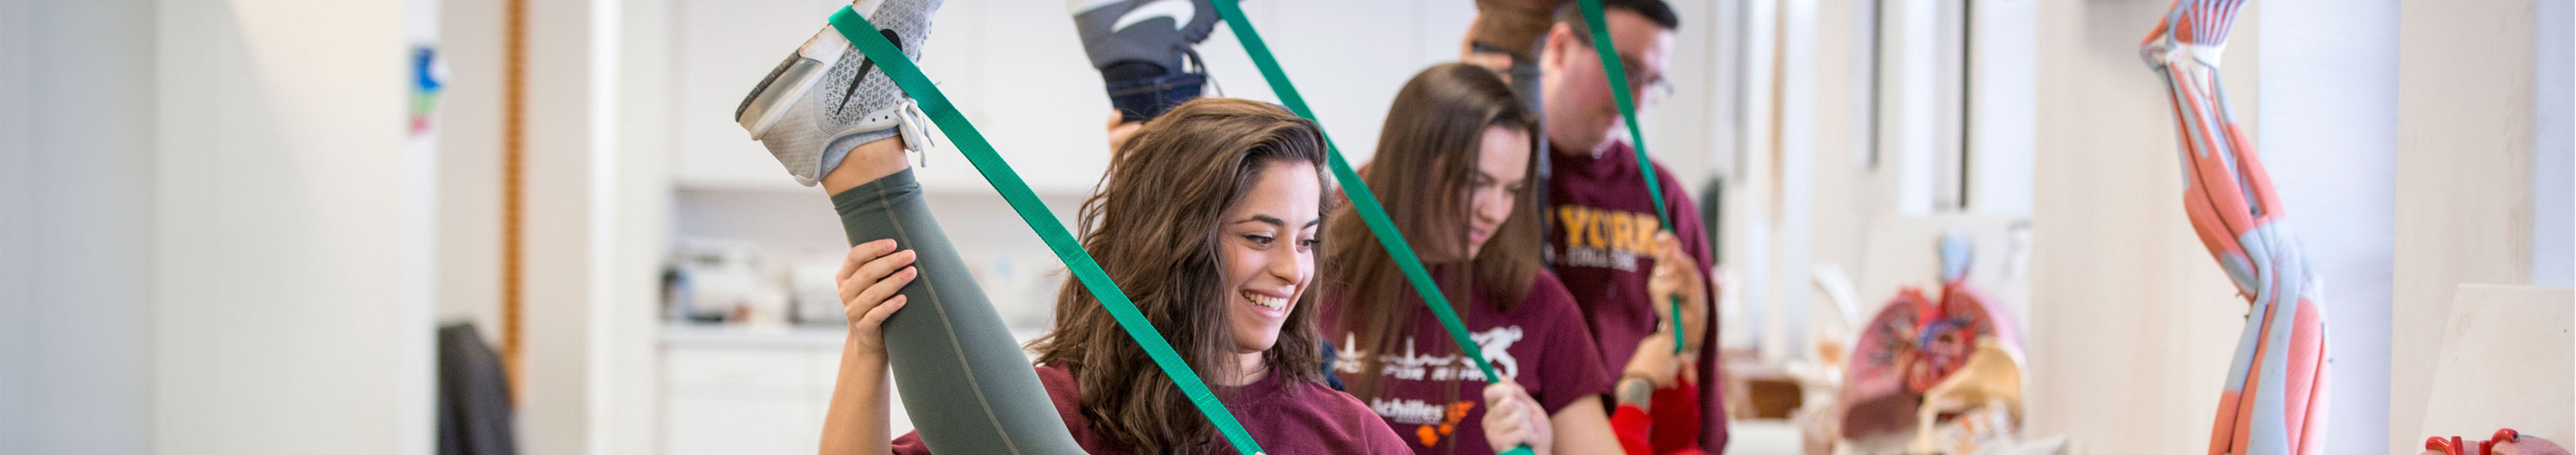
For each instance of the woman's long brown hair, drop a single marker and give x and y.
(1424, 172)
(1153, 225)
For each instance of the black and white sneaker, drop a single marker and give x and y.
(1143, 50)
(828, 98)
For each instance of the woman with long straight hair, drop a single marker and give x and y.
(1453, 170)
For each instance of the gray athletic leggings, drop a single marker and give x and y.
(966, 384)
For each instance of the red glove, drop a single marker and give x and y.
(1672, 429)
(1632, 424)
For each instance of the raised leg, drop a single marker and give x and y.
(829, 116)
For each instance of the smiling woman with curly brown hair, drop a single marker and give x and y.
(1211, 225)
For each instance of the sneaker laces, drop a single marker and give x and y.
(913, 125)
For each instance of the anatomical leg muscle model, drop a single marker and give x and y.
(2275, 397)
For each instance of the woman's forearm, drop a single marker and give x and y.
(1654, 360)
(1582, 427)
(855, 423)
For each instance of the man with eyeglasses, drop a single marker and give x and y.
(1604, 239)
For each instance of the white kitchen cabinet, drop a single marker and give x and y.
(709, 426)
(743, 391)
(755, 391)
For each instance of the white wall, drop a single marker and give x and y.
(1684, 131)
(286, 319)
(1744, 226)
(76, 226)
(2003, 104)
(2553, 160)
(636, 227)
(1318, 43)
(2467, 140)
(561, 407)
(2329, 139)
(1793, 209)
(17, 191)
(194, 258)
(469, 159)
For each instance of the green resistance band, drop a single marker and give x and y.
(971, 143)
(1618, 75)
(1361, 198)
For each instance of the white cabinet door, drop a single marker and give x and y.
(741, 427)
(745, 393)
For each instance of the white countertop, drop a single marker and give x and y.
(752, 337)
(775, 337)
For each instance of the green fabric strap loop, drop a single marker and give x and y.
(1618, 75)
(971, 143)
(1363, 200)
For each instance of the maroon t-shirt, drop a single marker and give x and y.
(1434, 397)
(1284, 417)
(1600, 240)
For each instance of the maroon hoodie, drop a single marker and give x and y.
(1600, 240)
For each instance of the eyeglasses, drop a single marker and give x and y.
(1648, 92)
(1644, 89)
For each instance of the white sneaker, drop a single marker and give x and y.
(827, 97)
